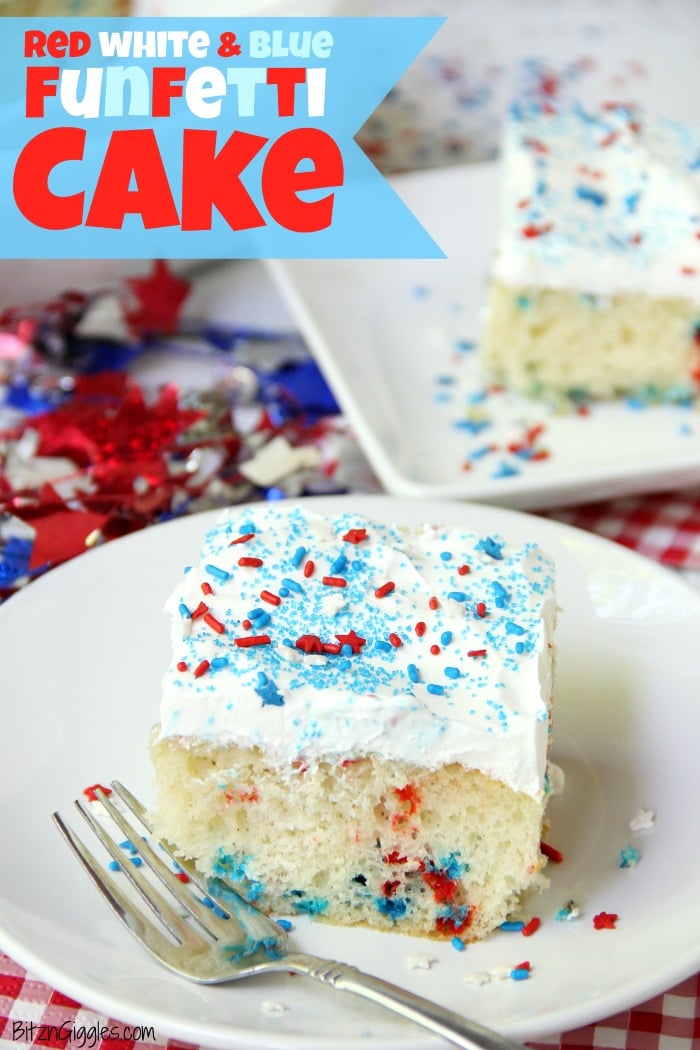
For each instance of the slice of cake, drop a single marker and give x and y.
(596, 280)
(355, 721)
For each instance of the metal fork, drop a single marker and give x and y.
(222, 937)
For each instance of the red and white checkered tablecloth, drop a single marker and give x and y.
(32, 1014)
(664, 527)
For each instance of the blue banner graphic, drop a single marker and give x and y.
(200, 138)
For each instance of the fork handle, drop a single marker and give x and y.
(449, 1025)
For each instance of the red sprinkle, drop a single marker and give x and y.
(309, 569)
(270, 598)
(527, 931)
(91, 792)
(202, 668)
(395, 641)
(435, 649)
(207, 588)
(252, 563)
(181, 666)
(355, 535)
(420, 628)
(216, 625)
(182, 876)
(609, 139)
(389, 888)
(252, 639)
(309, 643)
(480, 609)
(394, 858)
(242, 539)
(334, 581)
(553, 854)
(333, 648)
(463, 570)
(246, 624)
(527, 965)
(605, 920)
(201, 609)
(531, 230)
(433, 603)
(476, 652)
(386, 588)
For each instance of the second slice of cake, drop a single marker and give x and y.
(355, 722)
(595, 287)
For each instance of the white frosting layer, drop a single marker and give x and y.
(601, 203)
(420, 698)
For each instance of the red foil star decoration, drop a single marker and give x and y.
(605, 920)
(159, 300)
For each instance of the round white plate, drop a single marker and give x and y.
(81, 655)
(392, 338)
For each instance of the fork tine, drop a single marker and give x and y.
(216, 926)
(159, 906)
(132, 919)
(253, 922)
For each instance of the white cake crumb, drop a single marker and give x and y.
(272, 1008)
(500, 973)
(643, 820)
(420, 961)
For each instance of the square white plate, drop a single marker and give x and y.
(396, 338)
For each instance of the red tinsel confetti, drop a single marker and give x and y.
(159, 300)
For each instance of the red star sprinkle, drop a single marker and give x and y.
(605, 920)
(353, 640)
(355, 535)
(91, 792)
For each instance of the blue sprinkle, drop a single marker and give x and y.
(452, 672)
(465, 345)
(512, 927)
(413, 673)
(479, 453)
(136, 861)
(504, 470)
(344, 665)
(346, 650)
(520, 647)
(491, 547)
(514, 628)
(436, 690)
(184, 611)
(587, 193)
(392, 907)
(520, 975)
(219, 574)
(255, 613)
(114, 865)
(631, 201)
(457, 596)
(284, 923)
(446, 637)
(384, 647)
(219, 661)
(458, 944)
(269, 694)
(501, 594)
(292, 585)
(446, 555)
(523, 302)
(472, 426)
(246, 528)
(262, 678)
(298, 556)
(283, 592)
(339, 564)
(629, 857)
